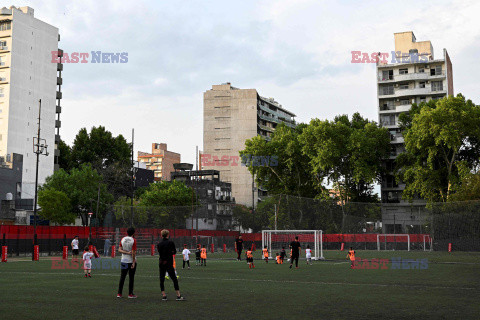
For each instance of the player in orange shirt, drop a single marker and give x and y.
(250, 259)
(203, 256)
(265, 254)
(351, 255)
(279, 259)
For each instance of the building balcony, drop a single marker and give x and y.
(395, 109)
(60, 53)
(56, 167)
(58, 124)
(265, 128)
(56, 153)
(411, 77)
(4, 64)
(57, 138)
(6, 33)
(410, 92)
(58, 109)
(59, 81)
(4, 49)
(59, 95)
(3, 81)
(59, 66)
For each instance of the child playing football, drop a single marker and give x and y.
(203, 256)
(265, 254)
(351, 255)
(197, 255)
(278, 259)
(250, 259)
(308, 255)
(87, 262)
(282, 254)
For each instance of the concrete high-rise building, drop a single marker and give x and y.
(413, 76)
(160, 161)
(230, 117)
(27, 75)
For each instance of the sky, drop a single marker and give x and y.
(297, 51)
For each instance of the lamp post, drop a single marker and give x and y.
(90, 228)
(39, 148)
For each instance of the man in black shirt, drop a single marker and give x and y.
(239, 247)
(295, 247)
(166, 250)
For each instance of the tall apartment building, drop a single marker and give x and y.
(27, 75)
(414, 77)
(230, 117)
(160, 161)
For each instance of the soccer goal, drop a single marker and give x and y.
(393, 242)
(276, 239)
(427, 242)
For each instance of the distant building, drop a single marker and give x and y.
(27, 75)
(11, 168)
(214, 196)
(415, 77)
(160, 161)
(143, 176)
(230, 117)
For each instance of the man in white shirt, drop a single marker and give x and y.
(128, 249)
(186, 256)
(74, 246)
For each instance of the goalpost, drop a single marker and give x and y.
(392, 240)
(427, 240)
(276, 239)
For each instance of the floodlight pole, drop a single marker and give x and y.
(39, 148)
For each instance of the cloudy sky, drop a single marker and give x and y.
(297, 51)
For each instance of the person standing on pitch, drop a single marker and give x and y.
(186, 256)
(74, 245)
(128, 249)
(295, 247)
(239, 247)
(166, 249)
(106, 247)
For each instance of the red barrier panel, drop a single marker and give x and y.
(152, 249)
(450, 247)
(36, 253)
(4, 253)
(212, 247)
(113, 251)
(65, 253)
(224, 248)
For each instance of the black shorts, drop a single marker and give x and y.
(75, 252)
(249, 259)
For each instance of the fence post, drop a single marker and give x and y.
(224, 248)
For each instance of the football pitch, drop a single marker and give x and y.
(448, 288)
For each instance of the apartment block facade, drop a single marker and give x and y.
(230, 117)
(160, 161)
(416, 77)
(26, 76)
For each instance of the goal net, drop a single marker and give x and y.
(393, 242)
(275, 240)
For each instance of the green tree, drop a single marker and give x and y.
(65, 159)
(108, 155)
(167, 203)
(469, 189)
(55, 206)
(81, 185)
(286, 170)
(347, 153)
(442, 139)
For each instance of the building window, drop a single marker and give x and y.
(403, 86)
(386, 90)
(437, 85)
(404, 102)
(403, 71)
(3, 45)
(387, 75)
(437, 70)
(421, 70)
(6, 25)
(387, 120)
(422, 84)
(423, 99)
